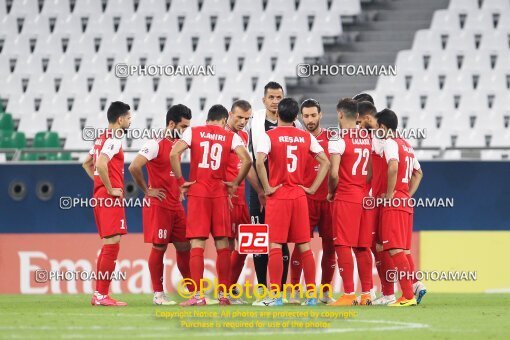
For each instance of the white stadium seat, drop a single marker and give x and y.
(425, 90)
(463, 4)
(496, 4)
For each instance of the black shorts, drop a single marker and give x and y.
(256, 216)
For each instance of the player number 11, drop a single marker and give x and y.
(409, 169)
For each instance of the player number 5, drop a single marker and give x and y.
(293, 158)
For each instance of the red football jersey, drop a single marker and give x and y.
(313, 167)
(400, 150)
(111, 147)
(287, 149)
(378, 165)
(210, 147)
(157, 152)
(353, 171)
(234, 164)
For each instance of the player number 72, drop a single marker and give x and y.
(362, 153)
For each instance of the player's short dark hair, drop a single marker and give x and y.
(217, 112)
(364, 97)
(366, 108)
(387, 118)
(348, 106)
(242, 104)
(177, 112)
(288, 110)
(116, 110)
(273, 86)
(310, 102)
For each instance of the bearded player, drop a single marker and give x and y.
(319, 208)
(287, 149)
(164, 221)
(349, 157)
(208, 209)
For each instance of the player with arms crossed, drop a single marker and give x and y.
(403, 176)
(238, 117)
(164, 220)
(208, 208)
(319, 208)
(105, 166)
(286, 206)
(349, 156)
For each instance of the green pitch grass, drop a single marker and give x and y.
(440, 316)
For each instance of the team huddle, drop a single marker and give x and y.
(301, 178)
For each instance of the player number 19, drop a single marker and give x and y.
(215, 152)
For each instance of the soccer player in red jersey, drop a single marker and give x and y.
(208, 191)
(286, 206)
(349, 157)
(239, 115)
(164, 220)
(369, 218)
(262, 121)
(397, 213)
(319, 208)
(105, 166)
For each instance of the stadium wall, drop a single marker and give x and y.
(38, 234)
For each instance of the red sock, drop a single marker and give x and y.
(295, 267)
(237, 265)
(196, 266)
(106, 267)
(402, 265)
(364, 262)
(308, 267)
(346, 267)
(387, 286)
(412, 268)
(378, 266)
(98, 264)
(183, 265)
(275, 266)
(156, 268)
(371, 252)
(328, 262)
(223, 266)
